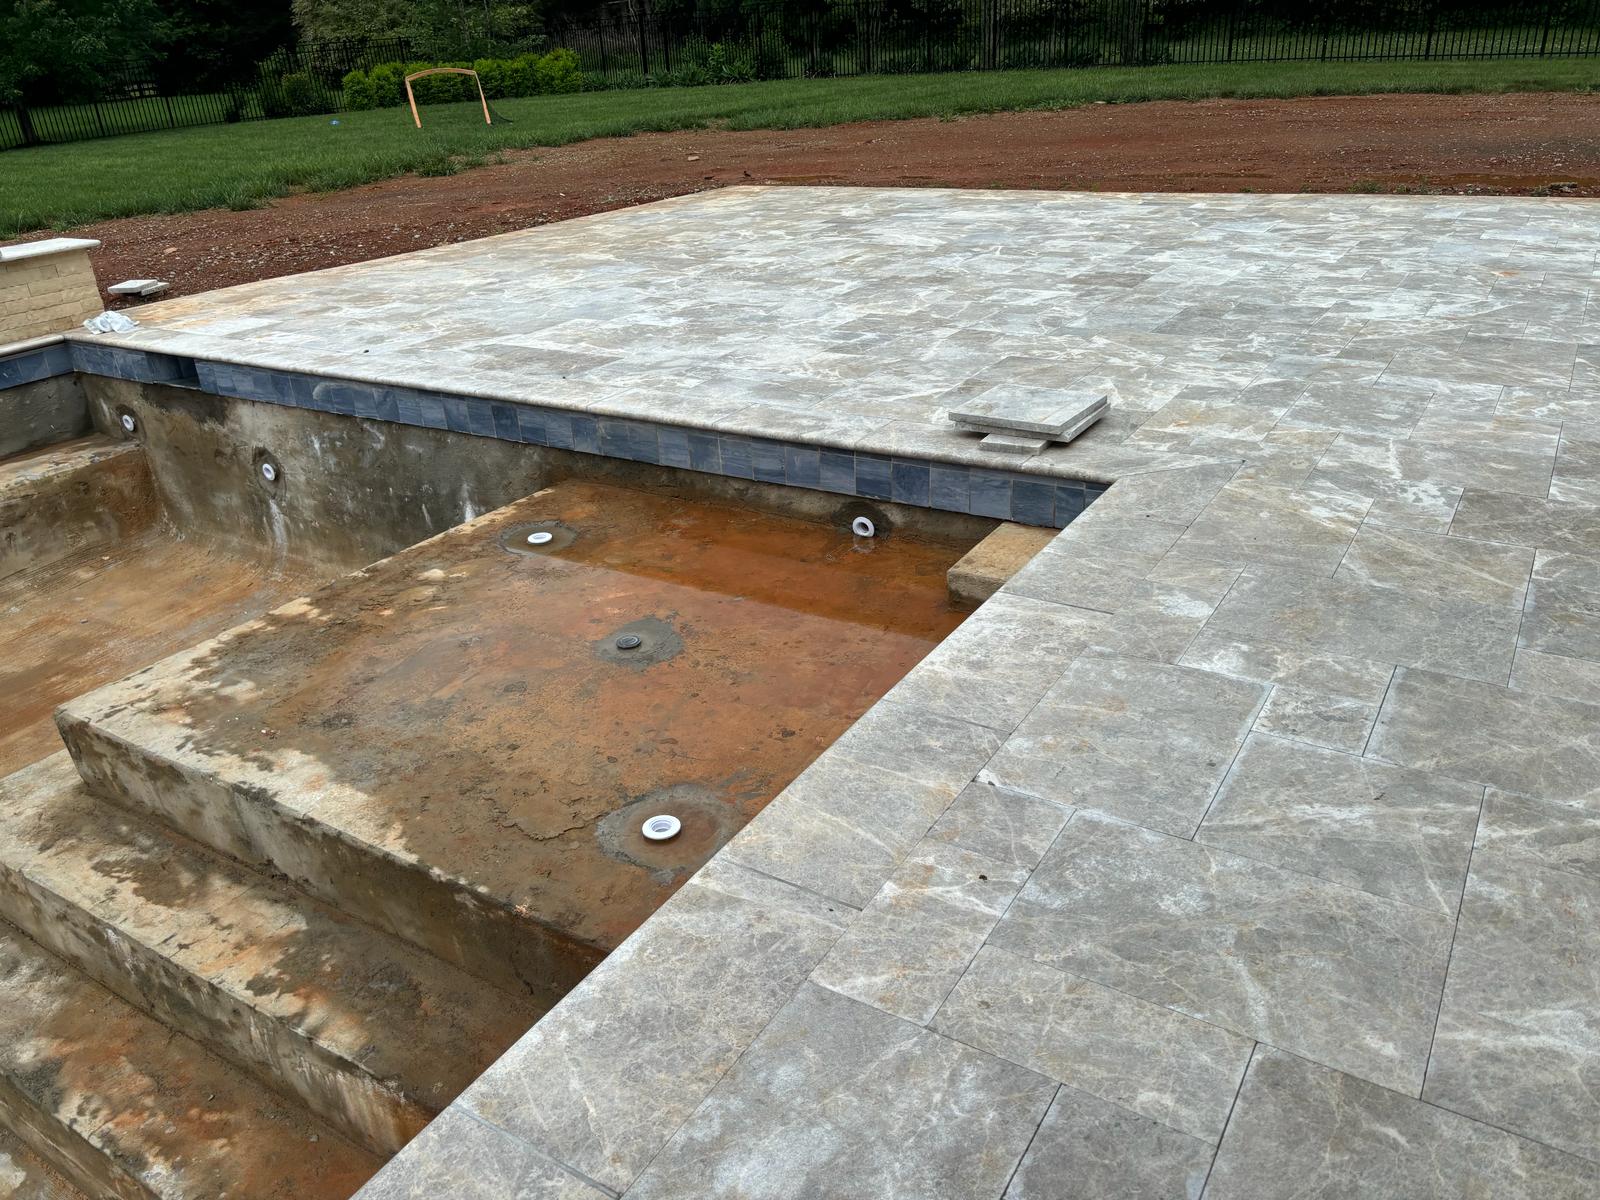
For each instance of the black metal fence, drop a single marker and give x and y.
(137, 98)
(708, 41)
(777, 39)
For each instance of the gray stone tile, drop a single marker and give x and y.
(1096, 563)
(1356, 679)
(1556, 675)
(1355, 620)
(1002, 659)
(1493, 516)
(1425, 507)
(704, 975)
(1290, 527)
(1352, 408)
(460, 1156)
(841, 1100)
(907, 949)
(1335, 974)
(916, 744)
(1577, 473)
(1178, 495)
(1157, 1062)
(1560, 837)
(1446, 567)
(1303, 1132)
(1484, 733)
(1148, 742)
(1163, 613)
(1392, 832)
(1089, 1150)
(1518, 1044)
(1012, 827)
(1333, 722)
(841, 828)
(1377, 464)
(1563, 611)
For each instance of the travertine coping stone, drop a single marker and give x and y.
(46, 287)
(983, 569)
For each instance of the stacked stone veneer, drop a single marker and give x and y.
(46, 287)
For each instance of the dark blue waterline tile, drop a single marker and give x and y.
(673, 443)
(948, 488)
(388, 404)
(767, 461)
(802, 466)
(433, 411)
(408, 406)
(737, 458)
(558, 430)
(505, 422)
(704, 452)
(1033, 502)
(909, 483)
(837, 472)
(456, 416)
(480, 413)
(585, 434)
(990, 494)
(873, 477)
(633, 440)
(364, 400)
(531, 427)
(1069, 501)
(29, 368)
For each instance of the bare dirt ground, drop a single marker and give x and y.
(1541, 144)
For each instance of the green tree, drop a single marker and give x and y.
(62, 49)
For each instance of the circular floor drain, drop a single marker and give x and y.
(541, 538)
(659, 829)
(629, 641)
(128, 423)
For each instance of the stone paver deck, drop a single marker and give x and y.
(1248, 842)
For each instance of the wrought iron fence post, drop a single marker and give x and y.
(644, 46)
(1544, 36)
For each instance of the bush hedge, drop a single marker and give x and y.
(552, 73)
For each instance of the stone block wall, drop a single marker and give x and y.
(46, 287)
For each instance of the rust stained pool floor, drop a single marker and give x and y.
(465, 702)
(72, 625)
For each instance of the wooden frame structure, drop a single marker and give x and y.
(411, 96)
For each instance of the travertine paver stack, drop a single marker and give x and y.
(1247, 841)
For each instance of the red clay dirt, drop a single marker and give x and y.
(1545, 143)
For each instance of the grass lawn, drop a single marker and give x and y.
(246, 164)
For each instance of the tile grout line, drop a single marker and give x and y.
(1227, 1121)
(1455, 931)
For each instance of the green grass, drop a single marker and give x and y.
(244, 165)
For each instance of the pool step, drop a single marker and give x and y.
(370, 1033)
(70, 497)
(126, 1108)
(24, 1175)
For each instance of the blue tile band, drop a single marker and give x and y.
(981, 491)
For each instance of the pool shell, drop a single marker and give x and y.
(467, 754)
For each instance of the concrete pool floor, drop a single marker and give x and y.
(1245, 843)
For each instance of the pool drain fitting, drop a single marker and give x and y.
(269, 472)
(541, 537)
(660, 828)
(629, 641)
(863, 527)
(129, 424)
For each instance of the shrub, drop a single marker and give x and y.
(292, 95)
(359, 94)
(383, 86)
(557, 72)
